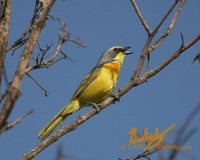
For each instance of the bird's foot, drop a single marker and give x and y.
(61, 124)
(116, 98)
(96, 106)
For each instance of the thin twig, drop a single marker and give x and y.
(170, 59)
(15, 122)
(171, 25)
(64, 36)
(67, 57)
(77, 42)
(181, 137)
(141, 17)
(196, 58)
(166, 15)
(38, 84)
(23, 38)
(145, 155)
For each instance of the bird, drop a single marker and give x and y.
(95, 87)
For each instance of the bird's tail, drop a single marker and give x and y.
(64, 113)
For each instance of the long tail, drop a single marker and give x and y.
(64, 113)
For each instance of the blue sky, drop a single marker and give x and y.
(167, 98)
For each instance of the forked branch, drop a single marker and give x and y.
(24, 37)
(141, 17)
(15, 85)
(136, 80)
(72, 126)
(64, 36)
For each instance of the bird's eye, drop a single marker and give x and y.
(116, 49)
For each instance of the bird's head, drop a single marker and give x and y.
(114, 54)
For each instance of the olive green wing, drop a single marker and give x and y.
(86, 81)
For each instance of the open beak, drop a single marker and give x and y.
(125, 50)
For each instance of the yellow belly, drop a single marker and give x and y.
(100, 88)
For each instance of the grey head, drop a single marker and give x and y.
(108, 55)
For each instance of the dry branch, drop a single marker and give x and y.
(147, 48)
(38, 84)
(145, 155)
(24, 37)
(181, 137)
(15, 122)
(5, 14)
(72, 126)
(196, 58)
(135, 80)
(64, 36)
(175, 55)
(14, 87)
(171, 25)
(141, 17)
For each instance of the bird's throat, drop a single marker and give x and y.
(114, 67)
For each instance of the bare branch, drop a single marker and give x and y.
(141, 17)
(147, 48)
(38, 84)
(131, 84)
(143, 55)
(170, 27)
(196, 58)
(166, 15)
(170, 59)
(77, 42)
(145, 155)
(15, 122)
(181, 138)
(64, 36)
(5, 14)
(23, 38)
(14, 87)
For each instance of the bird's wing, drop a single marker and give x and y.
(86, 81)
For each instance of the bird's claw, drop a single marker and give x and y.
(115, 98)
(61, 124)
(96, 106)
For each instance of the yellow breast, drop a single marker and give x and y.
(103, 85)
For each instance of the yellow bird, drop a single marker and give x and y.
(96, 86)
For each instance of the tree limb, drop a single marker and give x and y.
(64, 36)
(15, 122)
(141, 17)
(38, 84)
(145, 155)
(23, 38)
(171, 25)
(72, 126)
(170, 59)
(136, 80)
(14, 87)
(4, 31)
(180, 138)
